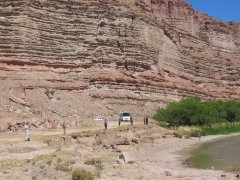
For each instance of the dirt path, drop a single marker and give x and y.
(29, 155)
(14, 141)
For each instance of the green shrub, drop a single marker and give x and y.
(62, 167)
(232, 111)
(213, 129)
(98, 163)
(221, 128)
(82, 174)
(194, 112)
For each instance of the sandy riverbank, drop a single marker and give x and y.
(151, 153)
(164, 160)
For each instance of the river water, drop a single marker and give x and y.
(223, 154)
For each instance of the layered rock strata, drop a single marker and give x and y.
(79, 58)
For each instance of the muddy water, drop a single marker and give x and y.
(223, 154)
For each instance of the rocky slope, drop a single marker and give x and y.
(75, 58)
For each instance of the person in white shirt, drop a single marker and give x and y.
(26, 128)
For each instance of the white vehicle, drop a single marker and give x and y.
(125, 116)
(98, 118)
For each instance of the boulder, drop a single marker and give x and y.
(60, 141)
(135, 140)
(4, 126)
(122, 141)
(167, 173)
(126, 158)
(49, 124)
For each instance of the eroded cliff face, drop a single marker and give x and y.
(78, 58)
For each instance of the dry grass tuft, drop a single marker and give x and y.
(188, 131)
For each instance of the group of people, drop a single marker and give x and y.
(27, 129)
(64, 126)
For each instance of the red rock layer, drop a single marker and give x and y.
(106, 56)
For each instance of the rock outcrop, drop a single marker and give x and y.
(75, 58)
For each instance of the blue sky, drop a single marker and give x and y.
(225, 10)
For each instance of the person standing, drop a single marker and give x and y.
(131, 121)
(64, 126)
(146, 120)
(27, 133)
(105, 123)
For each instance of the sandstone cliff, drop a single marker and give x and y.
(76, 58)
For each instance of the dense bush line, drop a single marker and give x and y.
(192, 111)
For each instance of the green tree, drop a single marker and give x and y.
(194, 111)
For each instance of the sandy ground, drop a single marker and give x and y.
(164, 159)
(159, 158)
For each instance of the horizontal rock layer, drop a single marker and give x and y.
(74, 57)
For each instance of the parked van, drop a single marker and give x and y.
(125, 116)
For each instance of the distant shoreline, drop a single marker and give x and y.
(185, 152)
